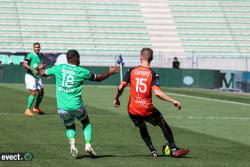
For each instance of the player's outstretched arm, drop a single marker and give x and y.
(42, 72)
(119, 92)
(160, 94)
(111, 71)
(26, 66)
(41, 68)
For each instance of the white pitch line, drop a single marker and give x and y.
(174, 117)
(205, 98)
(220, 118)
(195, 97)
(180, 117)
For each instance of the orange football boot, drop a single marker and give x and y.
(38, 111)
(28, 112)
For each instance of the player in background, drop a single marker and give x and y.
(33, 80)
(69, 83)
(143, 80)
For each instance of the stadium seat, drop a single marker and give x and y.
(110, 27)
(5, 59)
(62, 25)
(16, 59)
(212, 26)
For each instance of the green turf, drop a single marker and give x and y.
(232, 96)
(217, 132)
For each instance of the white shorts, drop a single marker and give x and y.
(32, 82)
(68, 117)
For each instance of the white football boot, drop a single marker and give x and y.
(73, 149)
(90, 150)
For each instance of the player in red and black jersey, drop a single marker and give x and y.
(143, 80)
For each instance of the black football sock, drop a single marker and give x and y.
(167, 132)
(146, 138)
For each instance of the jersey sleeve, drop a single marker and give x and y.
(92, 77)
(155, 81)
(50, 71)
(86, 74)
(126, 77)
(28, 58)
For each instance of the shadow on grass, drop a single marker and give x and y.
(124, 156)
(96, 157)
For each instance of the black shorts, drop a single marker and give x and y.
(154, 118)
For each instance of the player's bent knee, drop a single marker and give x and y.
(70, 126)
(41, 92)
(33, 92)
(161, 122)
(142, 126)
(85, 121)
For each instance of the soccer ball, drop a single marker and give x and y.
(166, 150)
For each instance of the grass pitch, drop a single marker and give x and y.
(214, 125)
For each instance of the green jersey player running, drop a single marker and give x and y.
(69, 82)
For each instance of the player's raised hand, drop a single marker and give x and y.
(42, 65)
(35, 71)
(114, 69)
(177, 105)
(116, 103)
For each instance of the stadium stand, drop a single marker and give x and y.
(213, 26)
(16, 59)
(94, 28)
(4, 59)
(214, 33)
(192, 30)
(90, 27)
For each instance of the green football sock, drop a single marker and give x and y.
(39, 99)
(70, 133)
(87, 132)
(30, 101)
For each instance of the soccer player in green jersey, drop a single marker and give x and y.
(33, 80)
(69, 83)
